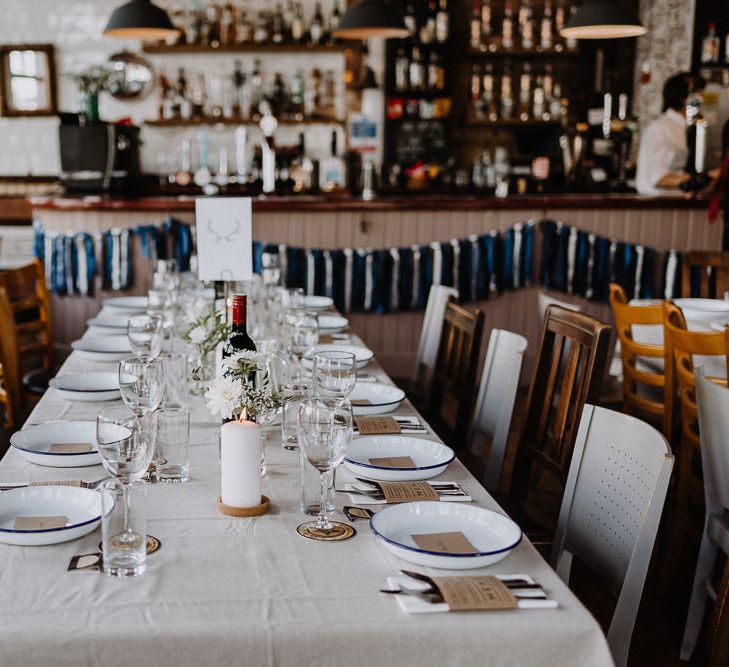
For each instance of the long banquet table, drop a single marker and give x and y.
(225, 591)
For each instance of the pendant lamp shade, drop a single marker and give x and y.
(603, 19)
(140, 19)
(371, 18)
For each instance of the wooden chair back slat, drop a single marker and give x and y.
(453, 390)
(569, 371)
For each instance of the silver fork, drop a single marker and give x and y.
(8, 486)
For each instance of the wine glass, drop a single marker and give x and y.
(324, 434)
(126, 446)
(303, 332)
(270, 268)
(142, 384)
(145, 335)
(335, 374)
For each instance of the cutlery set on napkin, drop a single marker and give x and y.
(367, 492)
(407, 424)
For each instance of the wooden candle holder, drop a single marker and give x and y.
(245, 511)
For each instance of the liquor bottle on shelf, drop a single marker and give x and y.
(489, 100)
(411, 21)
(302, 169)
(401, 71)
(525, 91)
(288, 19)
(243, 29)
(526, 24)
(476, 103)
(333, 173)
(212, 20)
(507, 27)
(487, 32)
(183, 176)
(261, 33)
(507, 93)
(238, 81)
(539, 111)
(198, 96)
(277, 25)
(442, 22)
(334, 19)
(316, 29)
(427, 30)
(416, 70)
(546, 34)
(298, 29)
(571, 42)
(436, 72)
(227, 25)
(165, 108)
(239, 340)
(297, 95)
(710, 47)
(475, 26)
(560, 18)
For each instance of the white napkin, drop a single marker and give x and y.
(413, 605)
(360, 499)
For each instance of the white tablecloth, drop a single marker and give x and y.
(224, 591)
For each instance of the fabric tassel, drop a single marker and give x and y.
(516, 252)
(571, 258)
(348, 276)
(395, 279)
(328, 274)
(369, 282)
(415, 294)
(671, 275)
(310, 277)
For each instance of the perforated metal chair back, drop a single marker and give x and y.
(495, 402)
(611, 509)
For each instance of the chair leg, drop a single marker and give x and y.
(719, 653)
(699, 594)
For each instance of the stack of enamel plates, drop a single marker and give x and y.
(362, 355)
(44, 444)
(128, 305)
(103, 348)
(108, 323)
(329, 324)
(87, 387)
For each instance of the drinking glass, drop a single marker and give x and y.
(141, 383)
(324, 436)
(123, 529)
(334, 374)
(172, 447)
(270, 268)
(175, 365)
(293, 394)
(303, 332)
(145, 335)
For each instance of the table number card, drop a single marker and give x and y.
(224, 238)
(475, 593)
(39, 522)
(376, 425)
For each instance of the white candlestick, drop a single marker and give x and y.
(240, 464)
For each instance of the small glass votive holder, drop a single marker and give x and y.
(293, 395)
(311, 488)
(123, 529)
(173, 439)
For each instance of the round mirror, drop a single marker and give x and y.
(133, 76)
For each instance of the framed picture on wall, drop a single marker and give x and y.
(27, 80)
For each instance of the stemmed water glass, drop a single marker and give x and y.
(270, 268)
(126, 448)
(145, 335)
(142, 384)
(303, 332)
(324, 434)
(335, 374)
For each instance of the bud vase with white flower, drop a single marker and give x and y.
(203, 334)
(242, 394)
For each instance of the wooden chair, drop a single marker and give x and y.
(569, 372)
(453, 389)
(611, 510)
(707, 272)
(495, 404)
(10, 388)
(688, 504)
(30, 302)
(713, 407)
(719, 636)
(643, 386)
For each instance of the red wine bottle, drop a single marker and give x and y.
(239, 339)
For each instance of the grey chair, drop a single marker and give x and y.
(495, 402)
(713, 407)
(611, 509)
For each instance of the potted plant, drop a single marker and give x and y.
(91, 82)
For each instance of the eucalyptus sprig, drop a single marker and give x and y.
(206, 331)
(93, 80)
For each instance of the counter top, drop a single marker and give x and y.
(348, 203)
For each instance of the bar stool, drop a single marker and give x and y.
(10, 387)
(450, 404)
(680, 347)
(643, 378)
(31, 307)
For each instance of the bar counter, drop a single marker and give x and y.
(393, 222)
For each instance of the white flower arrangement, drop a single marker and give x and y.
(242, 389)
(206, 331)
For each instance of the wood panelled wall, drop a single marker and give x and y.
(394, 337)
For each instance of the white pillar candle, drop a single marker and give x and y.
(240, 464)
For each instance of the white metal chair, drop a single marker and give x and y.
(430, 337)
(713, 405)
(611, 509)
(495, 403)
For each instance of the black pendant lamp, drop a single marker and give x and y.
(140, 19)
(603, 19)
(371, 18)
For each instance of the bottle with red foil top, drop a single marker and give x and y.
(239, 339)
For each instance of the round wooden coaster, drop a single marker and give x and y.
(153, 544)
(339, 532)
(245, 511)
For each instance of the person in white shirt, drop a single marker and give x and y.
(663, 147)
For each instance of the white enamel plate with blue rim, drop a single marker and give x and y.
(81, 507)
(430, 457)
(103, 348)
(110, 323)
(312, 302)
(493, 535)
(362, 355)
(34, 442)
(329, 324)
(382, 398)
(87, 387)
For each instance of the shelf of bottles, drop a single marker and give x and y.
(205, 120)
(511, 85)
